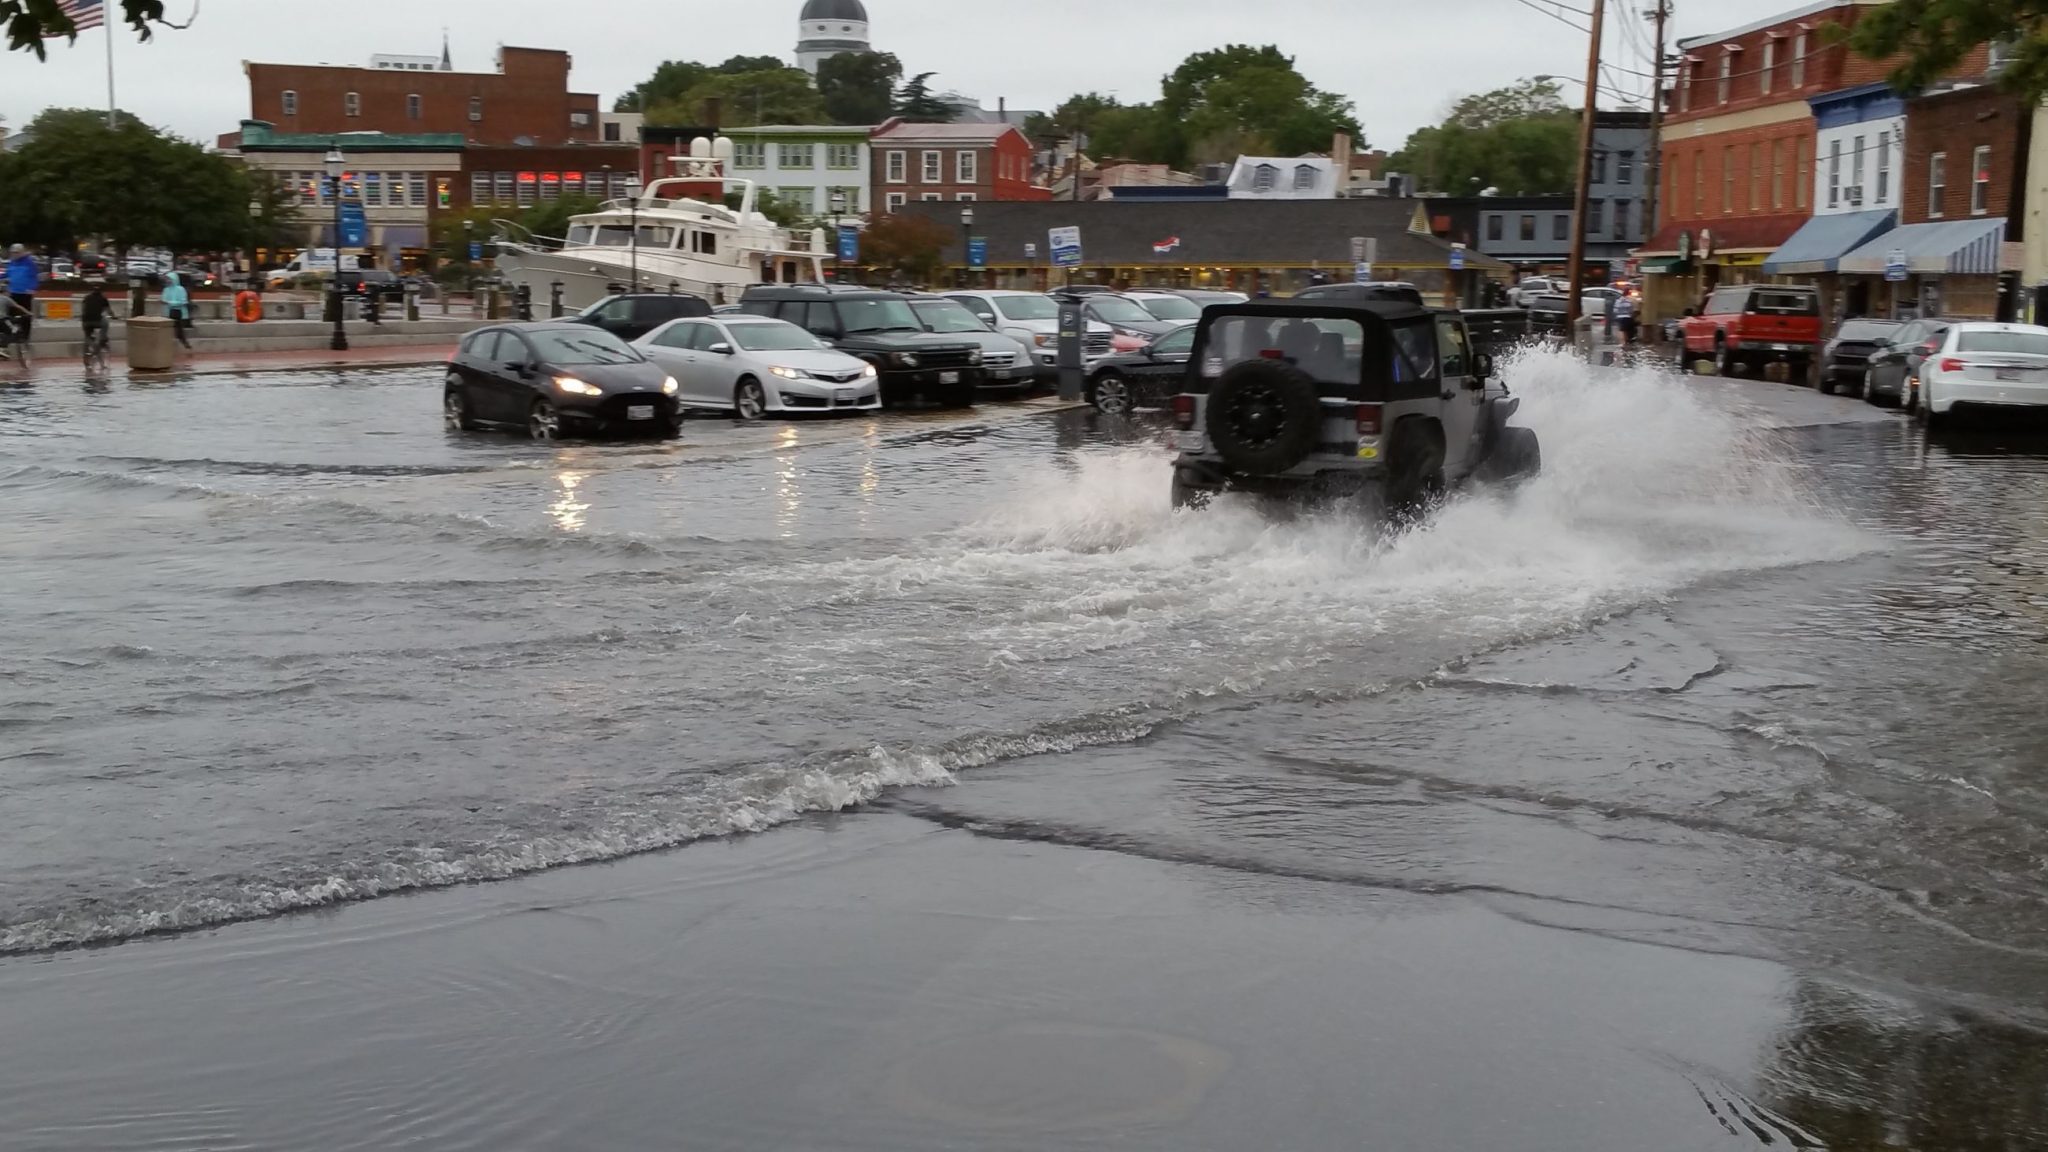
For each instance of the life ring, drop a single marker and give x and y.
(248, 307)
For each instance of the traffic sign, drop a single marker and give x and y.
(1030, 251)
(1457, 257)
(1066, 247)
(1895, 265)
(1358, 250)
(977, 252)
(849, 245)
(1361, 272)
(476, 251)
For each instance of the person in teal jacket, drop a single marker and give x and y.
(178, 306)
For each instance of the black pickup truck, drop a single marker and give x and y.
(880, 328)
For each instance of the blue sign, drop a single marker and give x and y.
(1066, 247)
(1457, 257)
(355, 231)
(476, 251)
(1895, 265)
(849, 245)
(977, 252)
(1361, 272)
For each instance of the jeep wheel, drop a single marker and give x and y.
(1415, 468)
(1264, 416)
(1516, 456)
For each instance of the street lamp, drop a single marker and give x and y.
(838, 250)
(633, 187)
(966, 244)
(334, 164)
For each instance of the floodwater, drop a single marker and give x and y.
(1723, 737)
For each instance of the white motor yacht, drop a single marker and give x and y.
(677, 233)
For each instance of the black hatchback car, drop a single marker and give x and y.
(554, 377)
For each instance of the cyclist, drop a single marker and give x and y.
(96, 316)
(24, 276)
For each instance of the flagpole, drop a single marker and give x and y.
(109, 26)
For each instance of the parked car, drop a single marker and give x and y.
(379, 284)
(631, 315)
(1525, 293)
(1208, 296)
(1845, 359)
(880, 328)
(1892, 373)
(1127, 380)
(753, 366)
(1005, 362)
(1982, 367)
(1547, 313)
(1131, 327)
(1168, 306)
(1032, 319)
(553, 377)
(1396, 290)
(1750, 325)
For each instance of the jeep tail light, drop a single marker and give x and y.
(1369, 419)
(1950, 364)
(1183, 411)
(1272, 354)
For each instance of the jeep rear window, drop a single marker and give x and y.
(1784, 304)
(1328, 349)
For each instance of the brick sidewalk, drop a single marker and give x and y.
(233, 362)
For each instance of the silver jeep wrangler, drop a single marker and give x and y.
(1337, 397)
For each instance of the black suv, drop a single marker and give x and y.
(880, 328)
(631, 315)
(1336, 397)
(372, 284)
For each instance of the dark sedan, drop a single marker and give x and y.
(1131, 325)
(555, 377)
(1844, 359)
(1127, 380)
(1892, 373)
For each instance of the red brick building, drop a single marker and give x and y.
(515, 178)
(959, 162)
(526, 101)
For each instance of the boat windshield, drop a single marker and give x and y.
(621, 236)
(579, 235)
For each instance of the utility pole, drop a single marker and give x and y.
(1655, 166)
(1586, 137)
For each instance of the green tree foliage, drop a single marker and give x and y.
(1929, 38)
(905, 245)
(1216, 106)
(673, 93)
(857, 87)
(550, 218)
(769, 96)
(1520, 140)
(76, 178)
(916, 103)
(768, 204)
(29, 21)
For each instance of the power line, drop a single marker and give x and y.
(1533, 6)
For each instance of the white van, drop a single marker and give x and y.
(312, 261)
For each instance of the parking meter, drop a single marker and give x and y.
(555, 300)
(1073, 328)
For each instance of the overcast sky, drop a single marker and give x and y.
(1401, 61)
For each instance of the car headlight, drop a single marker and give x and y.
(1121, 331)
(867, 372)
(974, 357)
(903, 359)
(1041, 338)
(789, 373)
(669, 387)
(576, 387)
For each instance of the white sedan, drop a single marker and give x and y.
(753, 365)
(1984, 366)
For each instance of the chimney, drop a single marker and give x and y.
(1002, 110)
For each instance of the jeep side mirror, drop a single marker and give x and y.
(1482, 366)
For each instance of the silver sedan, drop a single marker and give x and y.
(753, 365)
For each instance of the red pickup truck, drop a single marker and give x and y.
(1754, 324)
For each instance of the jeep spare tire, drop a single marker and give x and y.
(1265, 416)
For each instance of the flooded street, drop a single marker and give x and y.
(1693, 796)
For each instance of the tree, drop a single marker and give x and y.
(29, 22)
(1520, 141)
(905, 245)
(857, 86)
(915, 102)
(672, 81)
(76, 178)
(1930, 38)
(771, 96)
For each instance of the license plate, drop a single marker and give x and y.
(1781, 347)
(640, 412)
(949, 377)
(999, 373)
(843, 395)
(2012, 374)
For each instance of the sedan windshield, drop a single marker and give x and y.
(1027, 307)
(1118, 310)
(595, 346)
(774, 336)
(946, 316)
(1172, 307)
(877, 316)
(2030, 343)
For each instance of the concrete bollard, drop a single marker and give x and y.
(412, 302)
(152, 343)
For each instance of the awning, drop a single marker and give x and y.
(404, 236)
(1654, 265)
(1821, 242)
(1951, 247)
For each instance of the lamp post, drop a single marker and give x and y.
(334, 164)
(838, 251)
(633, 187)
(966, 244)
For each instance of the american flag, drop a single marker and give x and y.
(84, 14)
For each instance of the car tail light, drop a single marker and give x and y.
(1369, 419)
(1927, 349)
(1183, 411)
(1950, 364)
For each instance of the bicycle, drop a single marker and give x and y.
(13, 344)
(97, 345)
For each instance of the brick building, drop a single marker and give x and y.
(526, 100)
(399, 180)
(515, 178)
(970, 162)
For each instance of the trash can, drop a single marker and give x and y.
(152, 343)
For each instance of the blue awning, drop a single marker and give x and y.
(1823, 240)
(1952, 247)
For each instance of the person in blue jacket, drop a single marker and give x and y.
(24, 276)
(178, 306)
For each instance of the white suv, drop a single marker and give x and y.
(1033, 320)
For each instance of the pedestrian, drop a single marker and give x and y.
(178, 306)
(1624, 314)
(24, 276)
